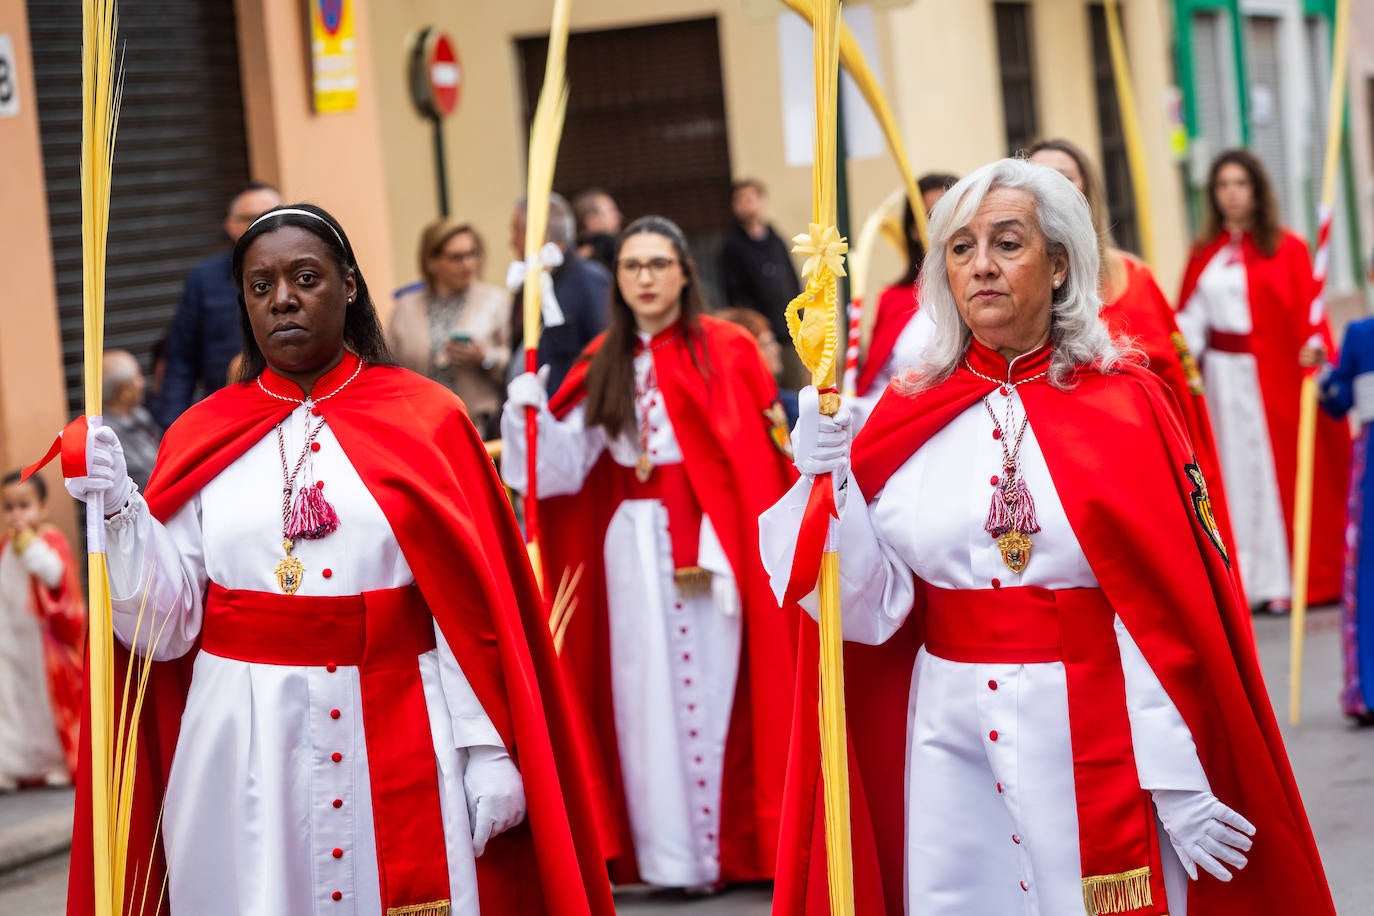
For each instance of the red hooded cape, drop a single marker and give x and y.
(1281, 290)
(722, 403)
(62, 617)
(1143, 316)
(896, 307)
(1119, 458)
(420, 457)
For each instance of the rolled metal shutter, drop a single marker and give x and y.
(1266, 128)
(181, 152)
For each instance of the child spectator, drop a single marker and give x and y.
(42, 626)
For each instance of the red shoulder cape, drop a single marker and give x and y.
(1163, 576)
(896, 307)
(1281, 289)
(62, 620)
(1143, 316)
(721, 416)
(422, 460)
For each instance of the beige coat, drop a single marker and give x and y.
(485, 316)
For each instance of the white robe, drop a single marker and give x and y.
(907, 353)
(255, 804)
(991, 825)
(29, 744)
(1221, 303)
(674, 658)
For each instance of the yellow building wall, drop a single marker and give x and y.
(937, 61)
(485, 138)
(332, 159)
(32, 390)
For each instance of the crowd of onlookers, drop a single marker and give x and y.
(453, 325)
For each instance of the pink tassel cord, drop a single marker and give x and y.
(1012, 508)
(312, 517)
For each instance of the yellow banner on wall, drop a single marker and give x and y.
(333, 55)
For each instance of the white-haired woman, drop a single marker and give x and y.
(1053, 697)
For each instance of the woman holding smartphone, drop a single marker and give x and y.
(452, 327)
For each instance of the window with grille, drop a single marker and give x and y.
(646, 121)
(1116, 169)
(1014, 50)
(181, 154)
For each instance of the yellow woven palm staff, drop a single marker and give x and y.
(851, 57)
(812, 321)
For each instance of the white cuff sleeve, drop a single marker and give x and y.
(1165, 753)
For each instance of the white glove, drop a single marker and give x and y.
(529, 390)
(1204, 831)
(496, 794)
(106, 471)
(820, 444)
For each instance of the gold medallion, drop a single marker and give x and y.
(1016, 550)
(289, 571)
(644, 468)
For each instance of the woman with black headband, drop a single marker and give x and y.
(326, 557)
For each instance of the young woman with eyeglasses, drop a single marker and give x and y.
(656, 456)
(453, 327)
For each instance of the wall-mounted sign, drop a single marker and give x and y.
(436, 76)
(9, 80)
(333, 55)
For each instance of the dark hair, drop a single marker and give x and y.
(741, 183)
(936, 181)
(1095, 193)
(434, 238)
(611, 375)
(14, 477)
(252, 186)
(1265, 228)
(915, 251)
(583, 203)
(362, 329)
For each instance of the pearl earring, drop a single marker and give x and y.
(1056, 283)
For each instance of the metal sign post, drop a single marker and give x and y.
(436, 81)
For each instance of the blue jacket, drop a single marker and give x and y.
(204, 338)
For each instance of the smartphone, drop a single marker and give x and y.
(462, 337)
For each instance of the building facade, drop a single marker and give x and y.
(671, 100)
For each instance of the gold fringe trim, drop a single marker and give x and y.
(1122, 893)
(437, 908)
(693, 581)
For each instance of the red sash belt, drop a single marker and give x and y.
(1024, 625)
(382, 633)
(669, 485)
(1226, 342)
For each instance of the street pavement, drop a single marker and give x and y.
(1334, 762)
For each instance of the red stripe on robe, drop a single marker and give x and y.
(412, 444)
(736, 471)
(1280, 289)
(1118, 451)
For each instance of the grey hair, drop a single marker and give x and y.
(1077, 334)
(562, 226)
(118, 368)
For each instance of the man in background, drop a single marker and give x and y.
(598, 224)
(582, 288)
(122, 396)
(205, 334)
(755, 266)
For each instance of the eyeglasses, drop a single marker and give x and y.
(458, 257)
(657, 267)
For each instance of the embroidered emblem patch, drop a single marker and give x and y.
(1185, 356)
(1202, 508)
(776, 418)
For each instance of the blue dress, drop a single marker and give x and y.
(1347, 387)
